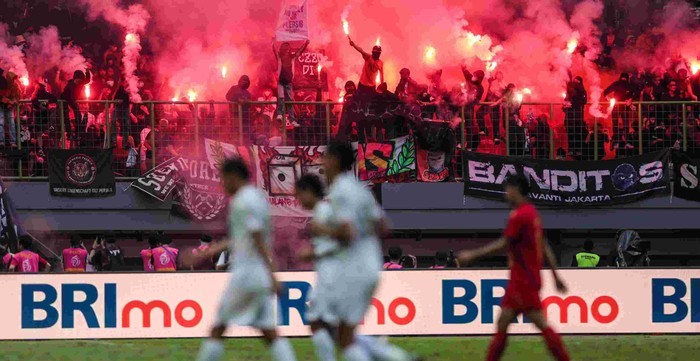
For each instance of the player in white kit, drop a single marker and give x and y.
(249, 296)
(357, 221)
(326, 253)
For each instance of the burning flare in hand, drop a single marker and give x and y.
(224, 70)
(572, 45)
(430, 54)
(24, 80)
(346, 27)
(87, 91)
(378, 42)
(191, 95)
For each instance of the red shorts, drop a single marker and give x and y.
(521, 298)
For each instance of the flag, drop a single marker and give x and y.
(8, 228)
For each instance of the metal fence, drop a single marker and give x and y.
(145, 134)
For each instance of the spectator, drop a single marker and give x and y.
(346, 116)
(539, 133)
(75, 257)
(9, 98)
(164, 256)
(164, 143)
(106, 255)
(586, 258)
(475, 94)
(394, 263)
(574, 104)
(518, 140)
(71, 93)
(621, 90)
(409, 261)
(285, 71)
(372, 68)
(240, 95)
(685, 86)
(26, 261)
(647, 95)
(407, 88)
(208, 264)
(147, 254)
(5, 253)
(654, 136)
(121, 114)
(589, 144)
(440, 260)
(627, 146)
(670, 111)
(494, 95)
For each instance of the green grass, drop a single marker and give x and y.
(582, 348)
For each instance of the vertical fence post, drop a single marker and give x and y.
(640, 127)
(18, 139)
(595, 138)
(507, 112)
(328, 122)
(108, 128)
(284, 121)
(153, 135)
(240, 123)
(685, 129)
(63, 124)
(463, 127)
(551, 132)
(196, 129)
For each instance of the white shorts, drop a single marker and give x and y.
(247, 301)
(321, 306)
(354, 297)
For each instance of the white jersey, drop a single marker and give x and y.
(249, 213)
(353, 203)
(325, 247)
(248, 298)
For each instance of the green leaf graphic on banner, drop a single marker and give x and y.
(405, 160)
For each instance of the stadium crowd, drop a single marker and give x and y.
(489, 104)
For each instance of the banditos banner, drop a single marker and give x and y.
(685, 176)
(562, 183)
(293, 24)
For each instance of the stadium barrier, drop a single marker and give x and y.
(445, 302)
(537, 130)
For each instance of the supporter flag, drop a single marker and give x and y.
(431, 166)
(293, 23)
(385, 159)
(8, 228)
(686, 175)
(81, 173)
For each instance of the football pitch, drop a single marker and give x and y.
(520, 348)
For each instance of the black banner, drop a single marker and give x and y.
(685, 176)
(81, 173)
(561, 183)
(198, 193)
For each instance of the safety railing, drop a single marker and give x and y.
(145, 134)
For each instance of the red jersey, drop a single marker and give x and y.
(524, 235)
(28, 262)
(165, 259)
(147, 258)
(206, 265)
(74, 259)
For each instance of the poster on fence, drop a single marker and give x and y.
(275, 170)
(431, 165)
(385, 159)
(81, 173)
(563, 183)
(685, 176)
(292, 24)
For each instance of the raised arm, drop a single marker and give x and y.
(359, 49)
(301, 50)
(274, 50)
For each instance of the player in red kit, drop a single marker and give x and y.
(526, 249)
